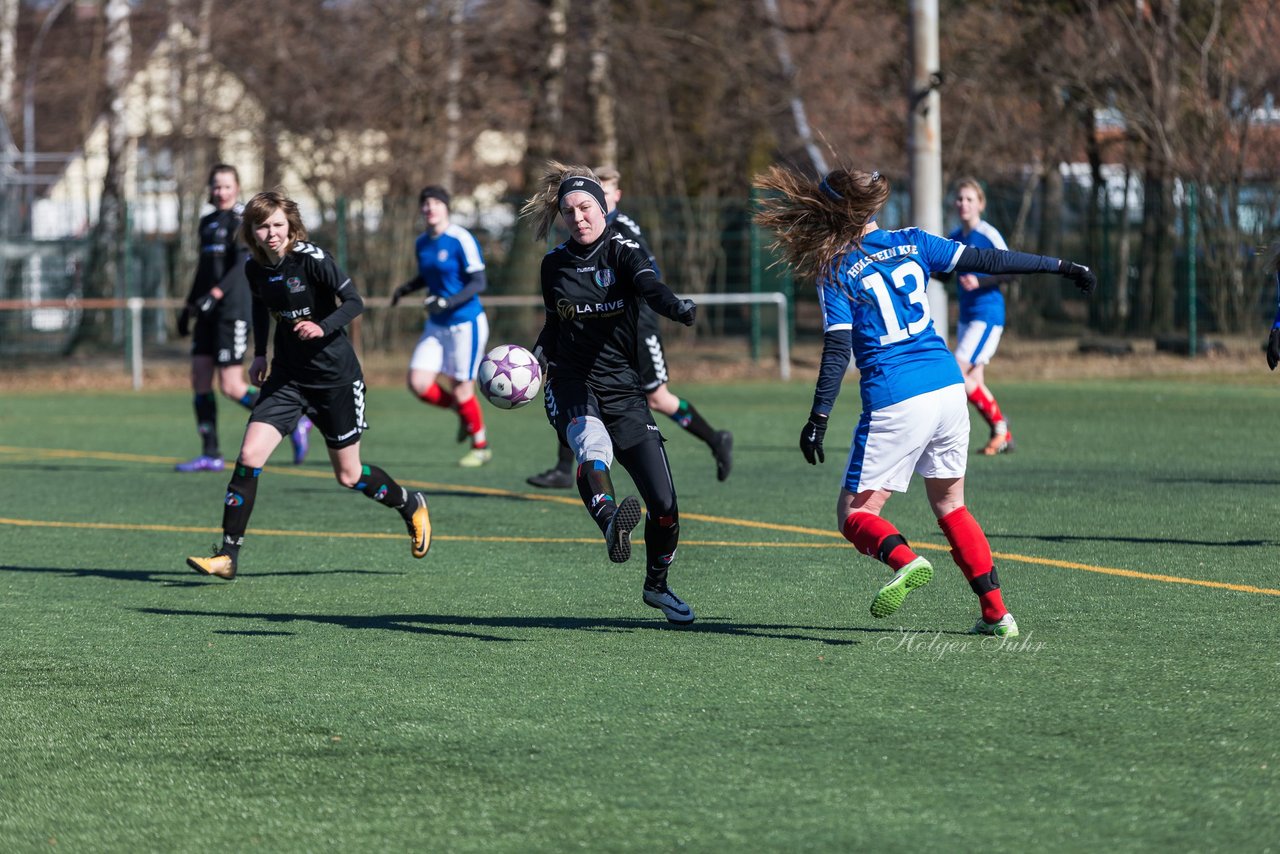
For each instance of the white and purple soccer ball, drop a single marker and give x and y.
(509, 376)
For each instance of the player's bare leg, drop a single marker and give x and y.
(859, 520)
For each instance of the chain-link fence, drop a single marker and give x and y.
(710, 246)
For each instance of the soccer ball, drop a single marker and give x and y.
(509, 376)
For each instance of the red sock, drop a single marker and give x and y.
(985, 402)
(437, 395)
(877, 537)
(469, 412)
(972, 553)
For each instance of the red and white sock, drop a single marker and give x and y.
(437, 395)
(473, 418)
(972, 553)
(985, 402)
(877, 537)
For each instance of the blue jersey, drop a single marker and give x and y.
(878, 293)
(446, 264)
(986, 303)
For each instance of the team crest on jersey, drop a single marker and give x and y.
(604, 278)
(295, 285)
(442, 255)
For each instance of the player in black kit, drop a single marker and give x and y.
(652, 363)
(220, 304)
(313, 368)
(592, 288)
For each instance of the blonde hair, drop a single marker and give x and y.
(975, 185)
(544, 206)
(815, 222)
(258, 210)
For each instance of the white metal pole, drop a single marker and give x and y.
(926, 139)
(135, 339)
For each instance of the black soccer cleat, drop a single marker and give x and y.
(722, 450)
(553, 478)
(617, 537)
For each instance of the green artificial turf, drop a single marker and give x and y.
(511, 692)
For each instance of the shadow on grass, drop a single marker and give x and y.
(454, 625)
(187, 578)
(1153, 541)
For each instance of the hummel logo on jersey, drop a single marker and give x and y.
(625, 242)
(590, 269)
(309, 249)
(275, 278)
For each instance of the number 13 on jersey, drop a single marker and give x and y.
(896, 303)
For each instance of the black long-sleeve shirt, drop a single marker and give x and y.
(306, 285)
(221, 262)
(593, 296)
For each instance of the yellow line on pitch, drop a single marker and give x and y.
(358, 535)
(556, 499)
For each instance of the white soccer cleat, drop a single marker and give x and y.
(1005, 627)
(665, 600)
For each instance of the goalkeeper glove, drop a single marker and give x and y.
(1081, 276)
(815, 429)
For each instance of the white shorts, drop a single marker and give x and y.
(927, 434)
(976, 341)
(454, 351)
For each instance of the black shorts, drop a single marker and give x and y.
(625, 414)
(651, 361)
(222, 335)
(337, 411)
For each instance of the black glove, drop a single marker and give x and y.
(542, 362)
(1081, 276)
(205, 305)
(184, 322)
(815, 429)
(686, 311)
(1273, 348)
(400, 291)
(435, 304)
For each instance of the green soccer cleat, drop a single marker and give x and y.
(918, 573)
(1005, 627)
(475, 458)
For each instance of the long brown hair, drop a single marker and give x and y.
(543, 206)
(258, 210)
(815, 222)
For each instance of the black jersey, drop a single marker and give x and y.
(629, 228)
(221, 259)
(306, 285)
(593, 296)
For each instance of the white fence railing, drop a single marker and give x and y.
(136, 305)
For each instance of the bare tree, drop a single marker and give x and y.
(546, 120)
(8, 61)
(107, 240)
(453, 92)
(600, 85)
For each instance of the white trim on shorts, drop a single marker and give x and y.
(926, 435)
(454, 350)
(976, 341)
